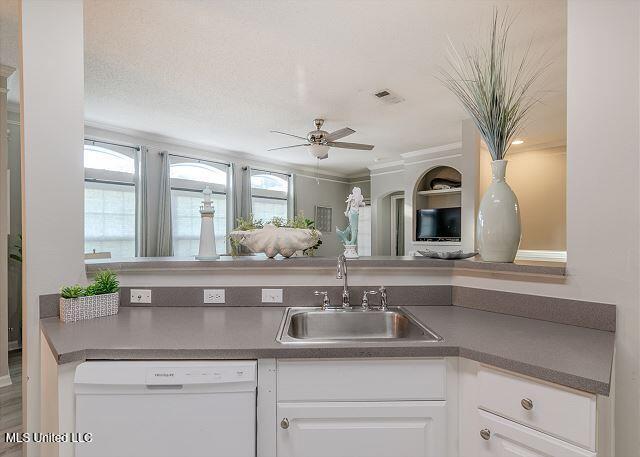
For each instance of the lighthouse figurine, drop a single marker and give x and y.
(207, 250)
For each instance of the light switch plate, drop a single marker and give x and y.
(140, 295)
(214, 295)
(271, 295)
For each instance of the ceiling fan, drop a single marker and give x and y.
(320, 141)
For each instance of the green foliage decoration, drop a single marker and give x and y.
(105, 282)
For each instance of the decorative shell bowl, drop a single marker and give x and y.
(274, 240)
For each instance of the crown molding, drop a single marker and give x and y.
(390, 172)
(432, 150)
(382, 166)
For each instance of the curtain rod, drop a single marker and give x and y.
(268, 171)
(198, 159)
(136, 148)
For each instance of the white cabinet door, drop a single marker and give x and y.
(362, 429)
(509, 439)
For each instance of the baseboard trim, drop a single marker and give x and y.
(549, 256)
(5, 380)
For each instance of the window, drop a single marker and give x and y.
(188, 179)
(110, 200)
(269, 195)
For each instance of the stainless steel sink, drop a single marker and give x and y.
(313, 325)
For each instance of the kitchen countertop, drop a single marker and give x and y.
(173, 264)
(572, 356)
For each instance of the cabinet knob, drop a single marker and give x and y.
(527, 404)
(485, 433)
(284, 423)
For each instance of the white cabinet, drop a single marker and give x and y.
(564, 413)
(363, 429)
(505, 438)
(362, 408)
(507, 415)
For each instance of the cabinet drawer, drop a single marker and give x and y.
(362, 429)
(565, 413)
(361, 380)
(505, 438)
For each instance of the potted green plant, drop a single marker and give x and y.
(98, 299)
(495, 88)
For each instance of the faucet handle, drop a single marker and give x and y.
(383, 298)
(325, 298)
(365, 298)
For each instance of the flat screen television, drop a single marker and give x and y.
(438, 224)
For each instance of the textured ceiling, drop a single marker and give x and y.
(224, 73)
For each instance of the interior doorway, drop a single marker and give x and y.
(397, 224)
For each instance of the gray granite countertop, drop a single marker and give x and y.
(568, 355)
(148, 264)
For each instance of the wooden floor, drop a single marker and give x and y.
(11, 406)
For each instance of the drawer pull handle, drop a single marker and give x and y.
(527, 404)
(485, 433)
(284, 423)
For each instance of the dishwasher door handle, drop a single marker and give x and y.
(164, 386)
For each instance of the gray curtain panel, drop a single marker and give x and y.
(233, 208)
(291, 197)
(142, 222)
(245, 204)
(165, 238)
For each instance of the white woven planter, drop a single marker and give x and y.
(77, 309)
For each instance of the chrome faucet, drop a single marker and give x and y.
(341, 273)
(383, 298)
(365, 299)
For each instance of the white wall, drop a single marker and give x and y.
(603, 134)
(326, 192)
(52, 121)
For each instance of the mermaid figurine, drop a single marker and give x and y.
(349, 236)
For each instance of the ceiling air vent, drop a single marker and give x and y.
(388, 97)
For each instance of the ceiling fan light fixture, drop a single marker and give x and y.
(319, 151)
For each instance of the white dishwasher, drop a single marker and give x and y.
(166, 409)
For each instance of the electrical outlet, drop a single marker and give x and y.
(271, 295)
(214, 295)
(140, 295)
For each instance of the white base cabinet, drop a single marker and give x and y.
(362, 408)
(507, 415)
(505, 438)
(363, 429)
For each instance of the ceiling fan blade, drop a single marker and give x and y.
(287, 147)
(289, 134)
(341, 144)
(340, 134)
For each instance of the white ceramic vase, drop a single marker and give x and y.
(498, 229)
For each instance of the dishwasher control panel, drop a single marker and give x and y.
(199, 375)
